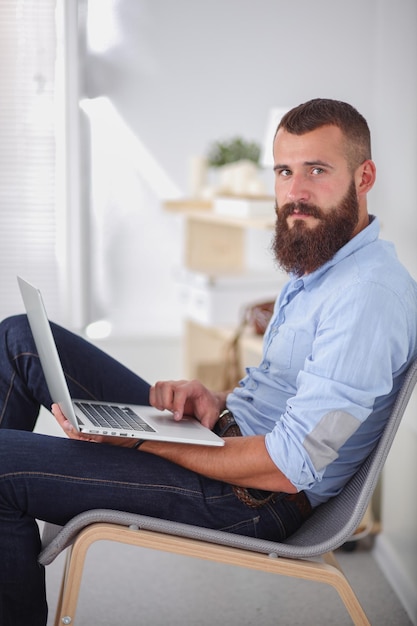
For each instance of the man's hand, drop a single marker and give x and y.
(72, 433)
(184, 397)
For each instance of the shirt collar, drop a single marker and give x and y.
(362, 239)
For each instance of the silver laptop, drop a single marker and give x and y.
(103, 418)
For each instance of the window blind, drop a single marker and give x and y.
(27, 152)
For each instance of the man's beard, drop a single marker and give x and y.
(302, 249)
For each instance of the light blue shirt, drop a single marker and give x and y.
(334, 357)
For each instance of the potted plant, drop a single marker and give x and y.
(236, 162)
(237, 149)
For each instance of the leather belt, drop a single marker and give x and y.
(226, 426)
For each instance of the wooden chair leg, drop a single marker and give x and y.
(346, 592)
(328, 572)
(58, 610)
(71, 581)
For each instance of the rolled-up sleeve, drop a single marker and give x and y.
(361, 337)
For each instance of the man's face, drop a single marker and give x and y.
(316, 198)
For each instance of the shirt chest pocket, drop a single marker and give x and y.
(280, 348)
(288, 348)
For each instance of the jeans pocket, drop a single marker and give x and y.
(246, 527)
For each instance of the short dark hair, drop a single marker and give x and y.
(321, 112)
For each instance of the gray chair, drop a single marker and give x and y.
(331, 525)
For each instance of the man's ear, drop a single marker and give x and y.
(365, 177)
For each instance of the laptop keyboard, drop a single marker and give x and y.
(108, 416)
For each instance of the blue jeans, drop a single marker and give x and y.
(52, 478)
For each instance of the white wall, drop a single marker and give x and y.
(185, 73)
(395, 100)
(188, 72)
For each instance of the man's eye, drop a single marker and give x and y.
(317, 170)
(284, 172)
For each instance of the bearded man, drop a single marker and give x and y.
(297, 427)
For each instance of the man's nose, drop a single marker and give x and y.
(297, 190)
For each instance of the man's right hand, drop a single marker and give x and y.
(184, 397)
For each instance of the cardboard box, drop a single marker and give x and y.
(238, 206)
(220, 300)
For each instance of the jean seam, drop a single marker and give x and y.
(9, 392)
(75, 382)
(105, 482)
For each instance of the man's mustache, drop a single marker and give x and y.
(299, 207)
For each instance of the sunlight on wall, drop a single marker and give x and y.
(127, 189)
(102, 25)
(126, 148)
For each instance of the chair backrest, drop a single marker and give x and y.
(334, 522)
(331, 524)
